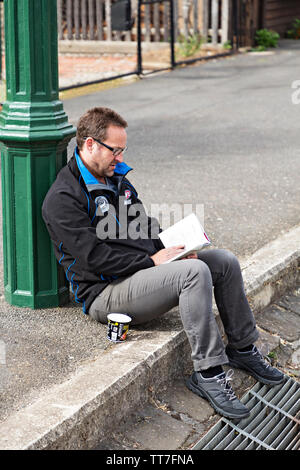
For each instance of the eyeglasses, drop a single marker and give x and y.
(115, 151)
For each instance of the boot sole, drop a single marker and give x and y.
(261, 379)
(201, 393)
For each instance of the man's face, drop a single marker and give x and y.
(101, 161)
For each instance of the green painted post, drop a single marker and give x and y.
(34, 134)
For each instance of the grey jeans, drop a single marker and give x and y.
(190, 284)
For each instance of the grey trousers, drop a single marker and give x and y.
(189, 283)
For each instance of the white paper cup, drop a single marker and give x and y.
(117, 327)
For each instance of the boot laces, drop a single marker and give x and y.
(264, 360)
(224, 381)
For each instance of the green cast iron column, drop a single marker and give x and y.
(34, 134)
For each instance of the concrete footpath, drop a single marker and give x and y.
(223, 134)
(96, 406)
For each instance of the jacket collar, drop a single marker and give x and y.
(79, 169)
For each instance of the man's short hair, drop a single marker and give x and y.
(94, 123)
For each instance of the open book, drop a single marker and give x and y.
(187, 232)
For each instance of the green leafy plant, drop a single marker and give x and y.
(265, 38)
(189, 45)
(227, 45)
(258, 49)
(294, 32)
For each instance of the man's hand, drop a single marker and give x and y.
(166, 253)
(191, 256)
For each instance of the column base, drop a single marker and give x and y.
(46, 300)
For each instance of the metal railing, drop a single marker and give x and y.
(167, 7)
(169, 27)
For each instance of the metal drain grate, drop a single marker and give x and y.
(273, 424)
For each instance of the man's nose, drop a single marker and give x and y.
(119, 158)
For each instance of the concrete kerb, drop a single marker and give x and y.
(84, 409)
(272, 270)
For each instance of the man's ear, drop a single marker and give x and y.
(89, 144)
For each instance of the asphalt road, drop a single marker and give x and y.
(224, 134)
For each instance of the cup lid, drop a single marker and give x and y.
(119, 317)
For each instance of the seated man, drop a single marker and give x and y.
(111, 269)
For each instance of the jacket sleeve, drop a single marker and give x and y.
(153, 230)
(69, 224)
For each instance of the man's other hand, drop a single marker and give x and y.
(191, 256)
(166, 254)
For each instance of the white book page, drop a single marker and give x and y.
(188, 232)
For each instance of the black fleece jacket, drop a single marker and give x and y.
(95, 229)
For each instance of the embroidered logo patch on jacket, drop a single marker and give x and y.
(102, 202)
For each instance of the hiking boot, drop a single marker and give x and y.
(219, 393)
(254, 363)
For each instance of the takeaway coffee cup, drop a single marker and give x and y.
(117, 327)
